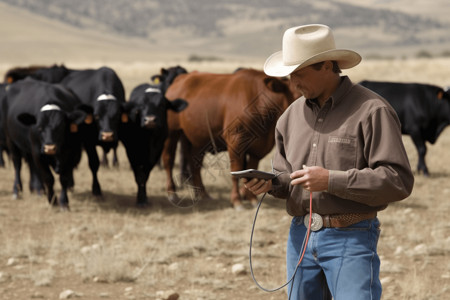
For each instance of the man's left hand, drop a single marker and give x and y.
(313, 179)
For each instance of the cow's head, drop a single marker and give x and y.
(283, 88)
(148, 108)
(53, 125)
(107, 114)
(167, 76)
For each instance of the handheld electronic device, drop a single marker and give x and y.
(252, 173)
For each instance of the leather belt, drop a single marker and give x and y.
(339, 221)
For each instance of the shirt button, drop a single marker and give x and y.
(314, 145)
(320, 120)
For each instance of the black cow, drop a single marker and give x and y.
(423, 110)
(144, 134)
(52, 74)
(102, 93)
(3, 147)
(41, 122)
(167, 76)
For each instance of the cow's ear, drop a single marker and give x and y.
(130, 112)
(128, 106)
(77, 116)
(156, 79)
(447, 94)
(275, 85)
(164, 71)
(177, 105)
(124, 118)
(26, 119)
(440, 94)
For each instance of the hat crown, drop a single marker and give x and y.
(303, 42)
(306, 45)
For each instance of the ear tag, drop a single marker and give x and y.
(88, 119)
(73, 127)
(124, 118)
(440, 95)
(156, 80)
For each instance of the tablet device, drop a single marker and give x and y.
(252, 173)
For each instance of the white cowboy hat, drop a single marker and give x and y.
(306, 45)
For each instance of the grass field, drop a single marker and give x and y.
(110, 249)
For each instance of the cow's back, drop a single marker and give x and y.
(218, 102)
(89, 84)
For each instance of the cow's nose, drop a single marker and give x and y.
(107, 136)
(50, 149)
(150, 121)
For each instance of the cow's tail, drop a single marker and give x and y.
(211, 136)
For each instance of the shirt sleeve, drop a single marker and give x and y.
(281, 184)
(388, 176)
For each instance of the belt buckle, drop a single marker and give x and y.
(317, 222)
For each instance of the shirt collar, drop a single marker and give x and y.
(343, 88)
(341, 91)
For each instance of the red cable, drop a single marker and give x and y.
(309, 228)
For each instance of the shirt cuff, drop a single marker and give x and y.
(337, 183)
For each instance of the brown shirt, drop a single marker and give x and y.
(356, 136)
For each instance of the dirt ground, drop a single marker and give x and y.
(109, 249)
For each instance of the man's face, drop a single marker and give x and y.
(309, 81)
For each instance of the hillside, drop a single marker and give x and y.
(229, 28)
(28, 38)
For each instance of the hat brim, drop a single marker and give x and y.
(346, 59)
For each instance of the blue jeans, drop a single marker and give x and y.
(340, 261)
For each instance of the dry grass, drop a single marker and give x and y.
(111, 249)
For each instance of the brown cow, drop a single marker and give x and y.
(234, 112)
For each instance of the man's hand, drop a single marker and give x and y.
(257, 186)
(313, 179)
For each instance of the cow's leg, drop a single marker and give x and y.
(237, 163)
(195, 164)
(185, 170)
(94, 164)
(66, 179)
(115, 161)
(49, 182)
(105, 162)
(2, 161)
(168, 158)
(17, 162)
(36, 184)
(421, 151)
(252, 163)
(141, 174)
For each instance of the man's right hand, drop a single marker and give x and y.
(257, 186)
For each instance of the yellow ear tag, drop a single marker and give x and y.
(73, 128)
(156, 80)
(440, 95)
(124, 118)
(88, 119)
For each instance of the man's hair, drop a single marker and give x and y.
(318, 66)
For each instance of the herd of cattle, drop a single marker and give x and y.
(48, 115)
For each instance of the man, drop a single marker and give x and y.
(341, 143)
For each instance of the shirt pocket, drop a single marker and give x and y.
(340, 153)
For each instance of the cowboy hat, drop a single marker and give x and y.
(306, 45)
